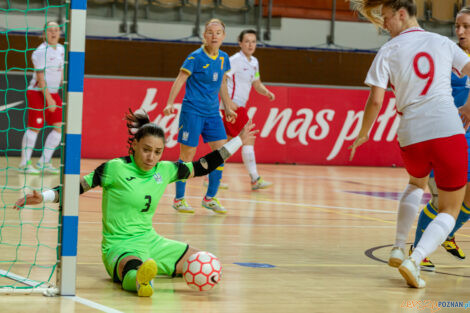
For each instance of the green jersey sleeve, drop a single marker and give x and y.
(178, 171)
(99, 176)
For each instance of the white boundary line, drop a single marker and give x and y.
(286, 203)
(92, 304)
(342, 178)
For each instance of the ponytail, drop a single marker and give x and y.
(139, 126)
(372, 9)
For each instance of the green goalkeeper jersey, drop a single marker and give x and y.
(131, 196)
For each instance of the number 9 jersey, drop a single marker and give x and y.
(418, 65)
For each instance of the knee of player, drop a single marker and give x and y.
(127, 264)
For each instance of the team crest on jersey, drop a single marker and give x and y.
(158, 178)
(215, 77)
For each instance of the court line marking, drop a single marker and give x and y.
(323, 265)
(314, 206)
(370, 254)
(323, 208)
(404, 178)
(92, 304)
(225, 224)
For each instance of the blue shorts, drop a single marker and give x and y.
(467, 136)
(191, 126)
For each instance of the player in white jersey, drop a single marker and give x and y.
(244, 74)
(418, 65)
(44, 101)
(460, 92)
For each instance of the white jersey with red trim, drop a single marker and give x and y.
(242, 74)
(50, 60)
(418, 65)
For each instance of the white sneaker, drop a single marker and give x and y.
(397, 255)
(221, 186)
(28, 168)
(182, 206)
(410, 273)
(47, 168)
(214, 205)
(260, 184)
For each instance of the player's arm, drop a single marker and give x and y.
(52, 195)
(371, 111)
(214, 159)
(229, 106)
(465, 109)
(40, 63)
(175, 89)
(262, 90)
(41, 81)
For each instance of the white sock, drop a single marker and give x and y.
(407, 210)
(248, 156)
(434, 235)
(52, 141)
(27, 146)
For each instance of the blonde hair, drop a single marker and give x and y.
(46, 26)
(464, 10)
(49, 24)
(214, 20)
(372, 9)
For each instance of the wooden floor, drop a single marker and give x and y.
(325, 231)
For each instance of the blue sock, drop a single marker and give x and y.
(461, 219)
(428, 213)
(180, 187)
(214, 181)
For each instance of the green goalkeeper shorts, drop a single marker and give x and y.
(165, 252)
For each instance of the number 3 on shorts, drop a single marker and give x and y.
(429, 75)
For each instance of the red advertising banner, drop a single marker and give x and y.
(306, 125)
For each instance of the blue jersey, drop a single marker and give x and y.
(203, 84)
(460, 89)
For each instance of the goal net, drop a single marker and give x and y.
(38, 242)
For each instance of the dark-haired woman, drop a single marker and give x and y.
(418, 65)
(132, 251)
(243, 74)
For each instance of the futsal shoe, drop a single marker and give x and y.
(214, 205)
(182, 206)
(221, 186)
(410, 273)
(28, 168)
(260, 184)
(397, 255)
(145, 273)
(48, 168)
(453, 249)
(426, 264)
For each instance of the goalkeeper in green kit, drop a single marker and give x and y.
(132, 251)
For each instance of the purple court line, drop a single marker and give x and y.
(387, 195)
